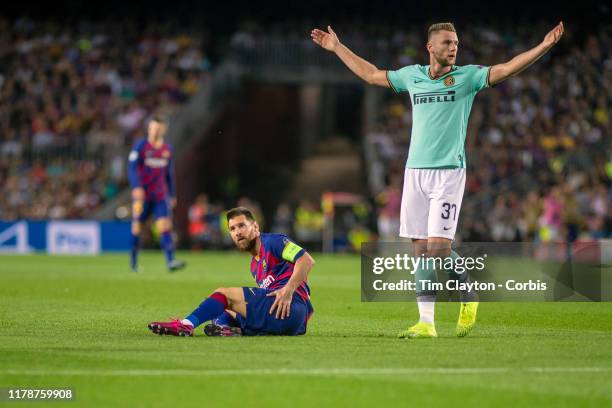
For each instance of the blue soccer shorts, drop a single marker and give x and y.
(142, 210)
(259, 321)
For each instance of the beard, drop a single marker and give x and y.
(445, 61)
(246, 244)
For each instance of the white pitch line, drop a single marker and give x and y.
(304, 372)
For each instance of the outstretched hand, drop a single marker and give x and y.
(554, 35)
(328, 40)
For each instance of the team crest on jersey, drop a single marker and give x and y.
(166, 154)
(264, 265)
(449, 80)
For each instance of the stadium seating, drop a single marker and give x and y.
(72, 102)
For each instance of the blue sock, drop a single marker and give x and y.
(212, 307)
(134, 251)
(167, 246)
(226, 319)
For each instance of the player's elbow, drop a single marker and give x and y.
(372, 77)
(308, 260)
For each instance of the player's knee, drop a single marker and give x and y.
(232, 295)
(135, 228)
(222, 291)
(163, 225)
(441, 248)
(438, 253)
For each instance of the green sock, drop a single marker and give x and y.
(423, 273)
(464, 277)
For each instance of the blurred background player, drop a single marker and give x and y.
(434, 179)
(279, 306)
(151, 177)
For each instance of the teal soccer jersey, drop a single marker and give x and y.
(440, 111)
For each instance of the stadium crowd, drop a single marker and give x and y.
(72, 101)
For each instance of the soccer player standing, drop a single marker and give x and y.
(151, 175)
(279, 306)
(434, 180)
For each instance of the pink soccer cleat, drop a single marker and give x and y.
(173, 328)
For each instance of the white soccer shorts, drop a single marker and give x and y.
(431, 202)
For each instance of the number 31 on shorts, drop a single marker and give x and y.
(449, 209)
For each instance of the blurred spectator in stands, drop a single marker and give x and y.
(76, 96)
(551, 220)
(529, 218)
(215, 217)
(571, 217)
(198, 227)
(308, 225)
(283, 220)
(389, 201)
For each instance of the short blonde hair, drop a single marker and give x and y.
(439, 27)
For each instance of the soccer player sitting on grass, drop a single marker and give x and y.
(442, 96)
(279, 306)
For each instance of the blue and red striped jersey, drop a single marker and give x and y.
(152, 169)
(274, 264)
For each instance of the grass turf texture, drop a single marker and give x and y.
(80, 322)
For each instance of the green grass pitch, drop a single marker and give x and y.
(80, 322)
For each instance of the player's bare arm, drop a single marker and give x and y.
(501, 72)
(284, 295)
(360, 67)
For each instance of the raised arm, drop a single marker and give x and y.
(360, 67)
(501, 72)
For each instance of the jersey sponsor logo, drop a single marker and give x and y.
(416, 81)
(156, 162)
(267, 282)
(449, 80)
(433, 97)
